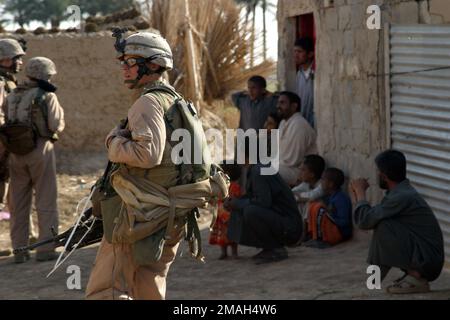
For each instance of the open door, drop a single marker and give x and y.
(306, 28)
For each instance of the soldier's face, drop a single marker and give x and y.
(17, 64)
(6, 63)
(129, 73)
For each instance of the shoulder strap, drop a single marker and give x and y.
(7, 84)
(169, 90)
(165, 89)
(39, 100)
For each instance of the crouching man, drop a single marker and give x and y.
(406, 232)
(267, 217)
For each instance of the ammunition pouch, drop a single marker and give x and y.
(106, 203)
(19, 139)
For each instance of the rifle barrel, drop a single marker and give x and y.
(33, 246)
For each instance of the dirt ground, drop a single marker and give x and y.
(77, 172)
(335, 273)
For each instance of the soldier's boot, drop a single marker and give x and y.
(21, 257)
(5, 253)
(46, 256)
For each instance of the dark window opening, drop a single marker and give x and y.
(306, 28)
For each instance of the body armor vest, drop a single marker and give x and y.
(9, 80)
(166, 174)
(28, 106)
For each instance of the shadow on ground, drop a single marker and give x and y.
(336, 273)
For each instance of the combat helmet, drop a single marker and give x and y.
(40, 68)
(10, 49)
(143, 47)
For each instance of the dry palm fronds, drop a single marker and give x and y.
(220, 43)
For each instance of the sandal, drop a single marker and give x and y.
(263, 253)
(401, 278)
(409, 284)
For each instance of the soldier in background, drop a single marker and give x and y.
(34, 103)
(11, 53)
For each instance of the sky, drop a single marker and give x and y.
(272, 28)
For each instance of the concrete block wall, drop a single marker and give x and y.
(350, 86)
(90, 86)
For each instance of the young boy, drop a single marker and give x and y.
(304, 59)
(310, 188)
(330, 221)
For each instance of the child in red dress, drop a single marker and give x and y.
(218, 234)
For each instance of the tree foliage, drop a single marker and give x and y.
(21, 10)
(103, 7)
(55, 11)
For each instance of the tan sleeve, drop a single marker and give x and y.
(111, 135)
(148, 130)
(55, 120)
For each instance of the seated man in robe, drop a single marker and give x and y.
(297, 137)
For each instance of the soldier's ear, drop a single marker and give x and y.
(6, 63)
(153, 67)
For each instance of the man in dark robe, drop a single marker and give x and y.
(266, 217)
(406, 233)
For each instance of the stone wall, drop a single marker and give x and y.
(350, 86)
(90, 86)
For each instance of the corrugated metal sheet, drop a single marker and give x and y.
(420, 112)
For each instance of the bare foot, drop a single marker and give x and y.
(224, 254)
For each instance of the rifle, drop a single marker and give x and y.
(86, 231)
(82, 237)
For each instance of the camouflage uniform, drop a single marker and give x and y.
(9, 49)
(145, 154)
(37, 169)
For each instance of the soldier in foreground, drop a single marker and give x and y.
(145, 199)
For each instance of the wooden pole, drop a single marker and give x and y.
(192, 61)
(253, 38)
(264, 8)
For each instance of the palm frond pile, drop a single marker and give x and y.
(211, 45)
